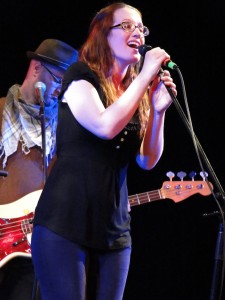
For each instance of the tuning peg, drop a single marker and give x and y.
(203, 175)
(181, 175)
(170, 175)
(192, 175)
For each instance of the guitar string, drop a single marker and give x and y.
(16, 227)
(136, 199)
(161, 194)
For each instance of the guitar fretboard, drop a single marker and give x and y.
(142, 198)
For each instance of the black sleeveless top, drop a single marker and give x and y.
(85, 197)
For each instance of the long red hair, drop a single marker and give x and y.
(96, 52)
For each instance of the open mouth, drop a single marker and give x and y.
(133, 44)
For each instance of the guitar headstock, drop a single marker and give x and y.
(180, 190)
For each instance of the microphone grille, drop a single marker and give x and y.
(143, 49)
(40, 85)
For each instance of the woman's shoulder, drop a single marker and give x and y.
(80, 70)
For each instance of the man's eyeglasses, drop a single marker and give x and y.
(57, 79)
(130, 27)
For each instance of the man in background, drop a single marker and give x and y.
(28, 121)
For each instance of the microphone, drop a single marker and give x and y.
(40, 89)
(3, 173)
(167, 63)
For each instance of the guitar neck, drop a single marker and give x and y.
(146, 197)
(16, 218)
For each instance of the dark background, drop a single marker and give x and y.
(173, 243)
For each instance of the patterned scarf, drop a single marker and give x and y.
(21, 122)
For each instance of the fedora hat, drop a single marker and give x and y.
(55, 52)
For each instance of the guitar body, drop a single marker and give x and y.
(15, 238)
(16, 227)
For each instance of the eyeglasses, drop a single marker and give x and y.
(57, 79)
(130, 27)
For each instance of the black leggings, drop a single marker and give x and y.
(68, 271)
